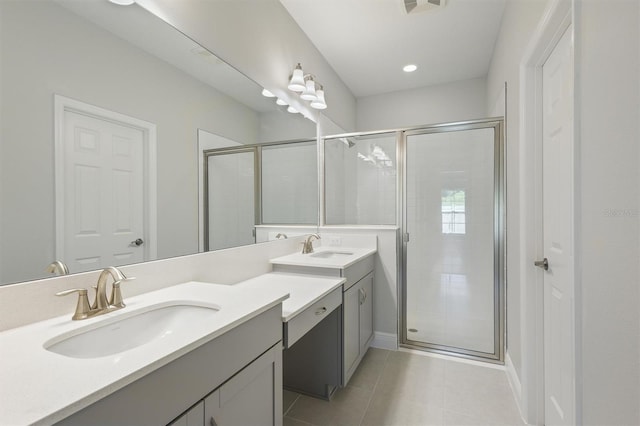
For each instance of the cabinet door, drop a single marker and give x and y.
(366, 312)
(351, 328)
(251, 397)
(193, 417)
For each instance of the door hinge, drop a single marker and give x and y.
(405, 237)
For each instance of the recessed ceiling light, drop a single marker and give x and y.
(281, 102)
(409, 68)
(292, 110)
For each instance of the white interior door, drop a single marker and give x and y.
(557, 176)
(103, 193)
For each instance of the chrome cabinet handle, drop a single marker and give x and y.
(321, 311)
(544, 264)
(138, 242)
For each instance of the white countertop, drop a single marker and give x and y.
(336, 262)
(304, 290)
(42, 387)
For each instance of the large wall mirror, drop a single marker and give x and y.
(102, 108)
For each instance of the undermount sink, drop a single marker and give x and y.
(330, 253)
(131, 331)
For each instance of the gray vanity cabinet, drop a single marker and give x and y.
(193, 417)
(358, 323)
(248, 398)
(235, 378)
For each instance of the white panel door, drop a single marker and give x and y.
(557, 79)
(104, 200)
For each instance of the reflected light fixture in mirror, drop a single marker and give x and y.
(267, 94)
(123, 2)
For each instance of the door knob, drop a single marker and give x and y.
(544, 264)
(137, 242)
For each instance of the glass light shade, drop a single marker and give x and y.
(267, 94)
(281, 102)
(292, 110)
(309, 93)
(296, 83)
(319, 103)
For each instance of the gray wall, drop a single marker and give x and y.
(607, 63)
(457, 101)
(518, 22)
(58, 53)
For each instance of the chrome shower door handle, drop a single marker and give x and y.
(544, 264)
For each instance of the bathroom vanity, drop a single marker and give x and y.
(196, 352)
(223, 363)
(355, 266)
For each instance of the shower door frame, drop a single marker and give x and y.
(499, 237)
(241, 149)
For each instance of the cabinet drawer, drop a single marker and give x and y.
(307, 319)
(355, 272)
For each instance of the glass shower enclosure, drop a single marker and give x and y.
(453, 221)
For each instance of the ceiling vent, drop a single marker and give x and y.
(417, 6)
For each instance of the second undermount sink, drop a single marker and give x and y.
(131, 331)
(327, 254)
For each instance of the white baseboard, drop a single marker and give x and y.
(514, 382)
(387, 341)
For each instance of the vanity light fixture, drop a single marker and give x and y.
(319, 102)
(296, 83)
(267, 94)
(409, 68)
(308, 88)
(123, 2)
(309, 93)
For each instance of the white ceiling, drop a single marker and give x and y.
(368, 42)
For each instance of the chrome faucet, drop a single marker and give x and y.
(307, 245)
(101, 305)
(58, 267)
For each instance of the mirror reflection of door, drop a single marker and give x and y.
(230, 203)
(103, 181)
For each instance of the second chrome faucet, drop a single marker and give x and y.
(101, 304)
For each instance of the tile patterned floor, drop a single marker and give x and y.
(402, 389)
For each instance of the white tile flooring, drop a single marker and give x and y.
(402, 389)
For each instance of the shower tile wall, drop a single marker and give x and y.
(361, 181)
